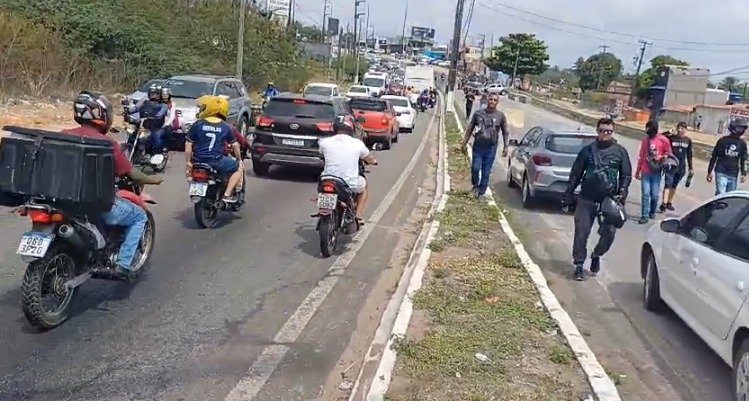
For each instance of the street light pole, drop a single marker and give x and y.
(324, 14)
(455, 50)
(403, 35)
(240, 38)
(356, 38)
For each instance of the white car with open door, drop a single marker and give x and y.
(406, 114)
(698, 265)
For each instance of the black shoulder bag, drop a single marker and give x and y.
(602, 184)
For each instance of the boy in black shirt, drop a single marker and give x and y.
(729, 158)
(681, 146)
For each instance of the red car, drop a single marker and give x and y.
(380, 123)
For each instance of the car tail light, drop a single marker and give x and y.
(300, 101)
(325, 127)
(200, 175)
(384, 120)
(44, 217)
(328, 187)
(541, 160)
(264, 121)
(259, 149)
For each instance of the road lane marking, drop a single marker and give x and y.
(260, 371)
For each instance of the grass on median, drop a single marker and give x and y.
(484, 334)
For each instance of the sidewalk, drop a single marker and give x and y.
(479, 330)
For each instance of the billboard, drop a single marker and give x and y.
(383, 42)
(333, 26)
(422, 33)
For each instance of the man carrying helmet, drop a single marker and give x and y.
(729, 158)
(94, 113)
(207, 139)
(154, 114)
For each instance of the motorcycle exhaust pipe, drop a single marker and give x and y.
(72, 236)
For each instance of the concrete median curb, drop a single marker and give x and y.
(601, 384)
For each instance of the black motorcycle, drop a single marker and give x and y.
(64, 249)
(206, 192)
(138, 144)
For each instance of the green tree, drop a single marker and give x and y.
(729, 83)
(598, 71)
(525, 50)
(647, 77)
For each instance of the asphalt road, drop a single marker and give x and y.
(655, 356)
(211, 300)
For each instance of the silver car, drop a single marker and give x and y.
(541, 162)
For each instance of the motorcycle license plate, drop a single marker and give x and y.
(34, 244)
(198, 188)
(327, 201)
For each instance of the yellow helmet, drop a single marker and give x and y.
(213, 106)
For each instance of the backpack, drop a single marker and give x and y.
(487, 134)
(600, 180)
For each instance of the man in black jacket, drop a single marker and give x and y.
(610, 178)
(729, 158)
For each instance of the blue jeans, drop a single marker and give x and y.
(725, 183)
(483, 160)
(651, 191)
(157, 140)
(133, 218)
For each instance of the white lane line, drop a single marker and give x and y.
(600, 382)
(261, 370)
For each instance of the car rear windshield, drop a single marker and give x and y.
(398, 102)
(368, 105)
(570, 144)
(319, 90)
(189, 89)
(299, 109)
(358, 89)
(147, 84)
(374, 82)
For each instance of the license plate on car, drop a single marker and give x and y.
(34, 244)
(293, 142)
(327, 201)
(198, 188)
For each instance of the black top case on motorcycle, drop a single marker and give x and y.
(70, 172)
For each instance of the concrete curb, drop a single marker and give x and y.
(397, 315)
(601, 384)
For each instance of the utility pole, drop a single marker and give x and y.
(483, 43)
(457, 28)
(644, 44)
(356, 37)
(403, 35)
(604, 47)
(240, 38)
(515, 69)
(324, 14)
(289, 19)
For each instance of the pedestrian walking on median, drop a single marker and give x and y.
(603, 172)
(681, 147)
(485, 127)
(654, 148)
(729, 158)
(470, 97)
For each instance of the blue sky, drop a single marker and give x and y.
(663, 22)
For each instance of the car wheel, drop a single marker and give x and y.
(503, 93)
(387, 144)
(526, 196)
(651, 292)
(260, 169)
(510, 181)
(741, 371)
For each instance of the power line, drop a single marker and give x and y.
(469, 19)
(610, 31)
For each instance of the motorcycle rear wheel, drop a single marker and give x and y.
(205, 214)
(328, 234)
(44, 282)
(145, 247)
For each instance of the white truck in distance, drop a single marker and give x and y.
(420, 78)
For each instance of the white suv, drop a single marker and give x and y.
(699, 266)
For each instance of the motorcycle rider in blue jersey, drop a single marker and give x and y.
(155, 112)
(270, 91)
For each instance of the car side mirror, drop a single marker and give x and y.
(670, 225)
(361, 119)
(513, 142)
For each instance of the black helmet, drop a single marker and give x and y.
(92, 108)
(738, 126)
(166, 94)
(670, 164)
(154, 93)
(611, 213)
(343, 125)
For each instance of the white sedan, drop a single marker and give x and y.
(699, 266)
(406, 114)
(358, 91)
(496, 88)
